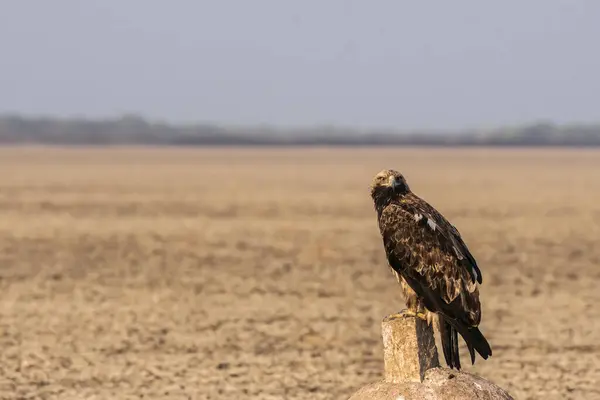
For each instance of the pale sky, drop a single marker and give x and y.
(383, 63)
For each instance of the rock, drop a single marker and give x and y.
(438, 383)
(413, 372)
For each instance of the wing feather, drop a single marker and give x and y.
(421, 244)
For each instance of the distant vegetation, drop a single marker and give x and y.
(134, 130)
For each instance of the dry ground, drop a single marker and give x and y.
(216, 274)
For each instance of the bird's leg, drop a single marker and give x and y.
(404, 313)
(414, 309)
(421, 314)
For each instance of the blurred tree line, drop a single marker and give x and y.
(135, 130)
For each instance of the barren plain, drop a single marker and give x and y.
(260, 273)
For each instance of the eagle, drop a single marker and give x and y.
(437, 273)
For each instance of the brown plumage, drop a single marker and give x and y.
(436, 270)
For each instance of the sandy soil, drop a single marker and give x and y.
(213, 274)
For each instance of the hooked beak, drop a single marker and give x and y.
(392, 182)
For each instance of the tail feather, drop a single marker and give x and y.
(446, 338)
(473, 337)
(475, 340)
(456, 355)
(449, 337)
(471, 352)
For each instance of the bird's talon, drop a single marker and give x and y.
(422, 315)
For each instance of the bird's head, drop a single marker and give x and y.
(388, 185)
